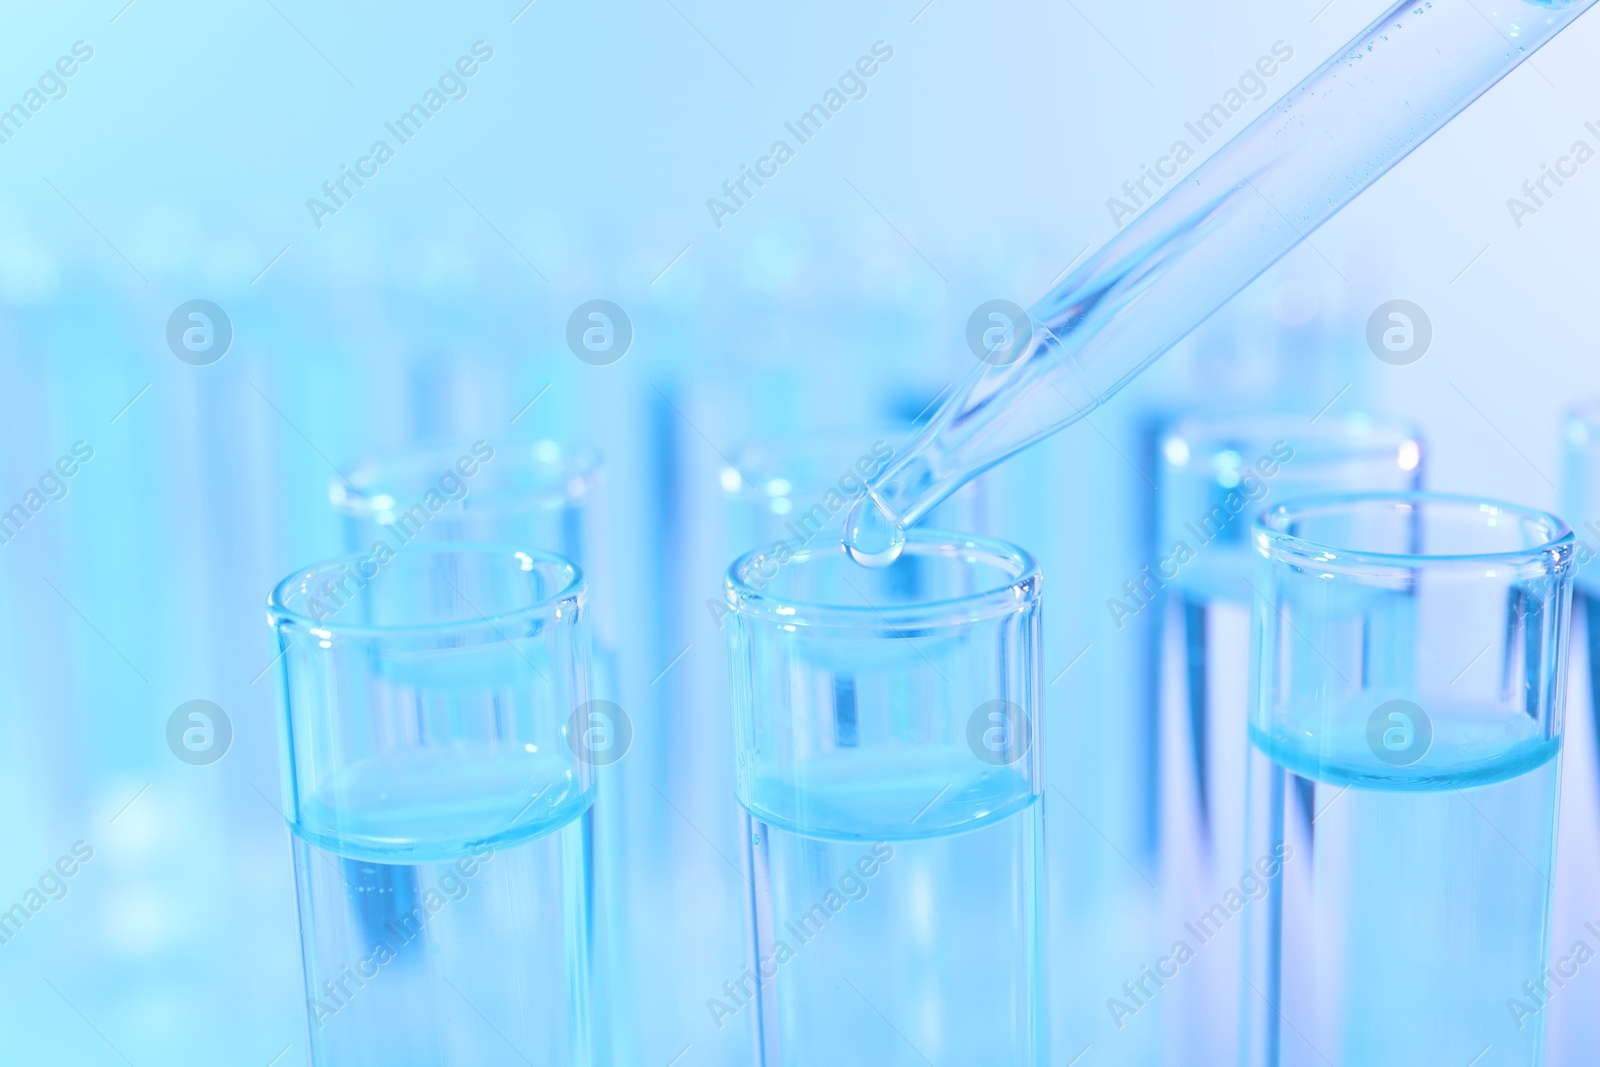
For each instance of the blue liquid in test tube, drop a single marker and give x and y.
(1404, 769)
(440, 817)
(547, 496)
(889, 763)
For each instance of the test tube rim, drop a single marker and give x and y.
(572, 594)
(1021, 592)
(1554, 554)
(1389, 433)
(577, 471)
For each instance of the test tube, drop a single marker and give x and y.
(1217, 471)
(545, 495)
(438, 807)
(1580, 502)
(887, 730)
(548, 496)
(1406, 721)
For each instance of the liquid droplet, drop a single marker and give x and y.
(871, 538)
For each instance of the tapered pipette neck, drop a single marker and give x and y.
(996, 411)
(903, 488)
(917, 479)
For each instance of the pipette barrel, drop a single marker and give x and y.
(1263, 192)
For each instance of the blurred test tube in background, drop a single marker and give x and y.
(1580, 504)
(1216, 472)
(1572, 1026)
(550, 497)
(542, 495)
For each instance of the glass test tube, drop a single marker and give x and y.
(1216, 472)
(439, 812)
(550, 497)
(1572, 1025)
(887, 729)
(543, 496)
(1580, 503)
(1406, 722)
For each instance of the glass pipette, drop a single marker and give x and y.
(1380, 96)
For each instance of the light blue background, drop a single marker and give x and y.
(433, 308)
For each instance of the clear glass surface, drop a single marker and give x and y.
(887, 727)
(439, 811)
(1406, 721)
